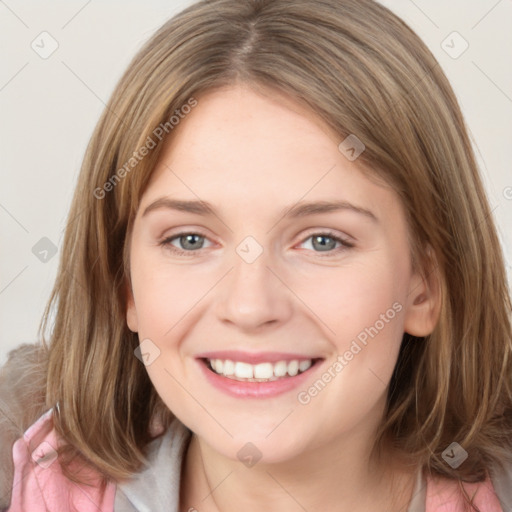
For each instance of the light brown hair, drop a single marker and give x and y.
(363, 71)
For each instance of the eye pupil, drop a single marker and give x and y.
(189, 240)
(323, 246)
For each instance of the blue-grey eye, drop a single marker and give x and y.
(190, 241)
(324, 242)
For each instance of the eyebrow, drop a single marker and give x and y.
(294, 211)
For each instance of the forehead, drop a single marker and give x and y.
(257, 151)
(236, 122)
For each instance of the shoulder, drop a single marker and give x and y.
(39, 483)
(492, 495)
(22, 401)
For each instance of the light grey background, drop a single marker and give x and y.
(50, 106)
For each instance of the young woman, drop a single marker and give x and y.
(280, 288)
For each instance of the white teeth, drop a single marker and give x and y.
(280, 369)
(229, 368)
(261, 371)
(293, 367)
(243, 370)
(304, 365)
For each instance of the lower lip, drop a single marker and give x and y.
(240, 389)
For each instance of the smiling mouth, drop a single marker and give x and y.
(261, 372)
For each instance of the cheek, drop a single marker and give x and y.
(353, 297)
(363, 306)
(164, 294)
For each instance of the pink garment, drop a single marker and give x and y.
(40, 486)
(442, 496)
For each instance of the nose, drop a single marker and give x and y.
(254, 295)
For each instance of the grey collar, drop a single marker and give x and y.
(157, 487)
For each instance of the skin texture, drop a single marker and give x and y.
(253, 156)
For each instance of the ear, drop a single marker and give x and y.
(131, 311)
(424, 299)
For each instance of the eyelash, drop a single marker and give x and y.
(166, 243)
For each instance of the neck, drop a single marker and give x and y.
(334, 476)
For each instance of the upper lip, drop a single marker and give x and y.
(256, 357)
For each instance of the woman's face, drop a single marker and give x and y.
(267, 283)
